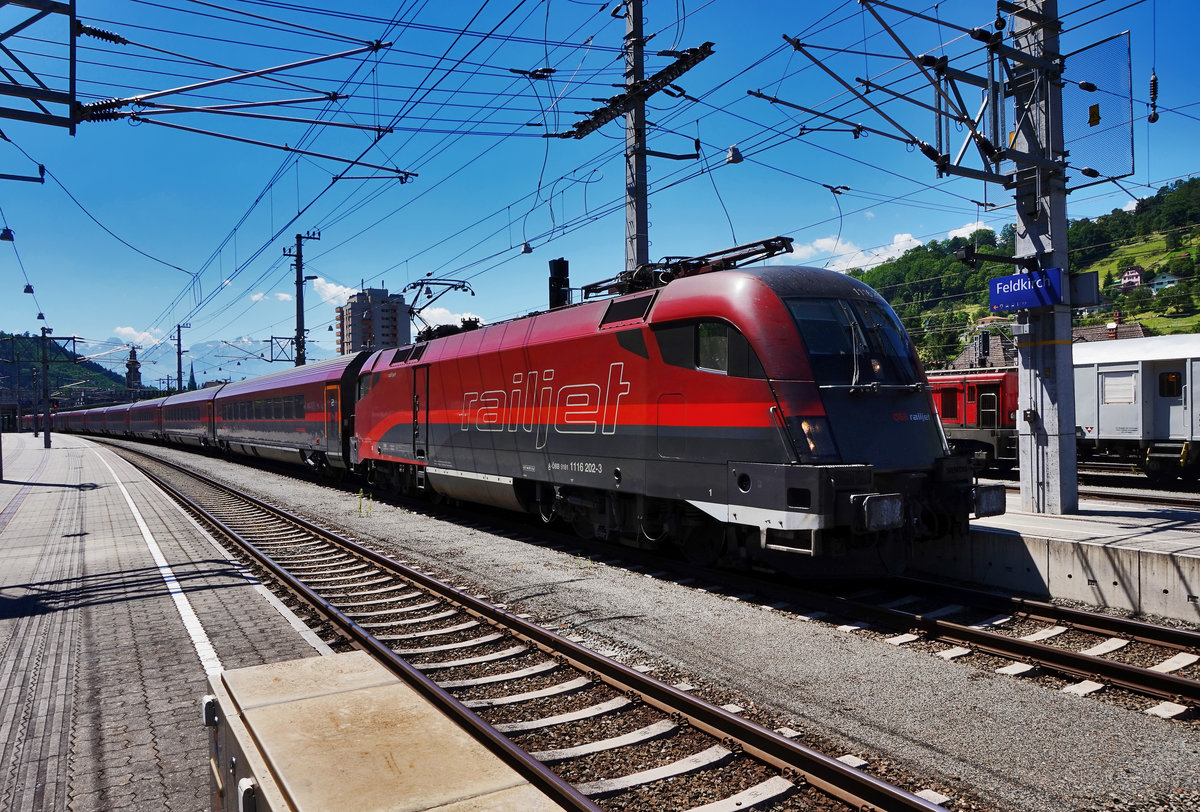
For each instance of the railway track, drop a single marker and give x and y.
(592, 732)
(1085, 651)
(1082, 651)
(1140, 496)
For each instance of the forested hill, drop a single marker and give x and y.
(939, 298)
(71, 377)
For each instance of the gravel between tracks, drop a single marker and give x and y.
(1016, 745)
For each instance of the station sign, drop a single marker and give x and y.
(1025, 290)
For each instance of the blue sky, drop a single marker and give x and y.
(140, 226)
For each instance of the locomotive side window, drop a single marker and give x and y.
(712, 346)
(1170, 384)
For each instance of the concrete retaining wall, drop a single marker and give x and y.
(1146, 578)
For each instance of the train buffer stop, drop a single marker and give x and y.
(118, 614)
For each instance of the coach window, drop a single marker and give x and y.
(1170, 384)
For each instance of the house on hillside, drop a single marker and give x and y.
(1132, 278)
(1162, 282)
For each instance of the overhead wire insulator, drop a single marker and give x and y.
(98, 33)
(1153, 117)
(106, 110)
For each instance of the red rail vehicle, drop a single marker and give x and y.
(771, 413)
(978, 410)
(301, 414)
(759, 414)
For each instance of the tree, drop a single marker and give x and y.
(1008, 240)
(1140, 298)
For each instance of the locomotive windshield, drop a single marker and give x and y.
(854, 343)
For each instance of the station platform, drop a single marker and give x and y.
(115, 609)
(1140, 558)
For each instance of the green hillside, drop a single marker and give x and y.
(939, 299)
(72, 380)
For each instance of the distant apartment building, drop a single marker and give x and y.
(372, 319)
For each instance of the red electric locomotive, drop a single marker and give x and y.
(978, 409)
(772, 414)
(767, 413)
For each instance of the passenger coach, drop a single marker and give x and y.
(304, 414)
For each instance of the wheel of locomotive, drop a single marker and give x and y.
(702, 544)
(583, 526)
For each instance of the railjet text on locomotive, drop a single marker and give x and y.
(580, 408)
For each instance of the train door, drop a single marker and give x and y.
(420, 413)
(988, 407)
(211, 425)
(333, 419)
(1169, 391)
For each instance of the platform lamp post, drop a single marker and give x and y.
(45, 387)
(2, 439)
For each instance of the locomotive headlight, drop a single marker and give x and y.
(817, 435)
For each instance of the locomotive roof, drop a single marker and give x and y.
(802, 280)
(783, 280)
(1154, 348)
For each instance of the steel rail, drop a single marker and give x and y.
(1131, 677)
(845, 783)
(1137, 631)
(1180, 501)
(559, 790)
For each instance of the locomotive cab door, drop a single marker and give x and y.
(989, 407)
(420, 414)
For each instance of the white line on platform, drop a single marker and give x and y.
(204, 647)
